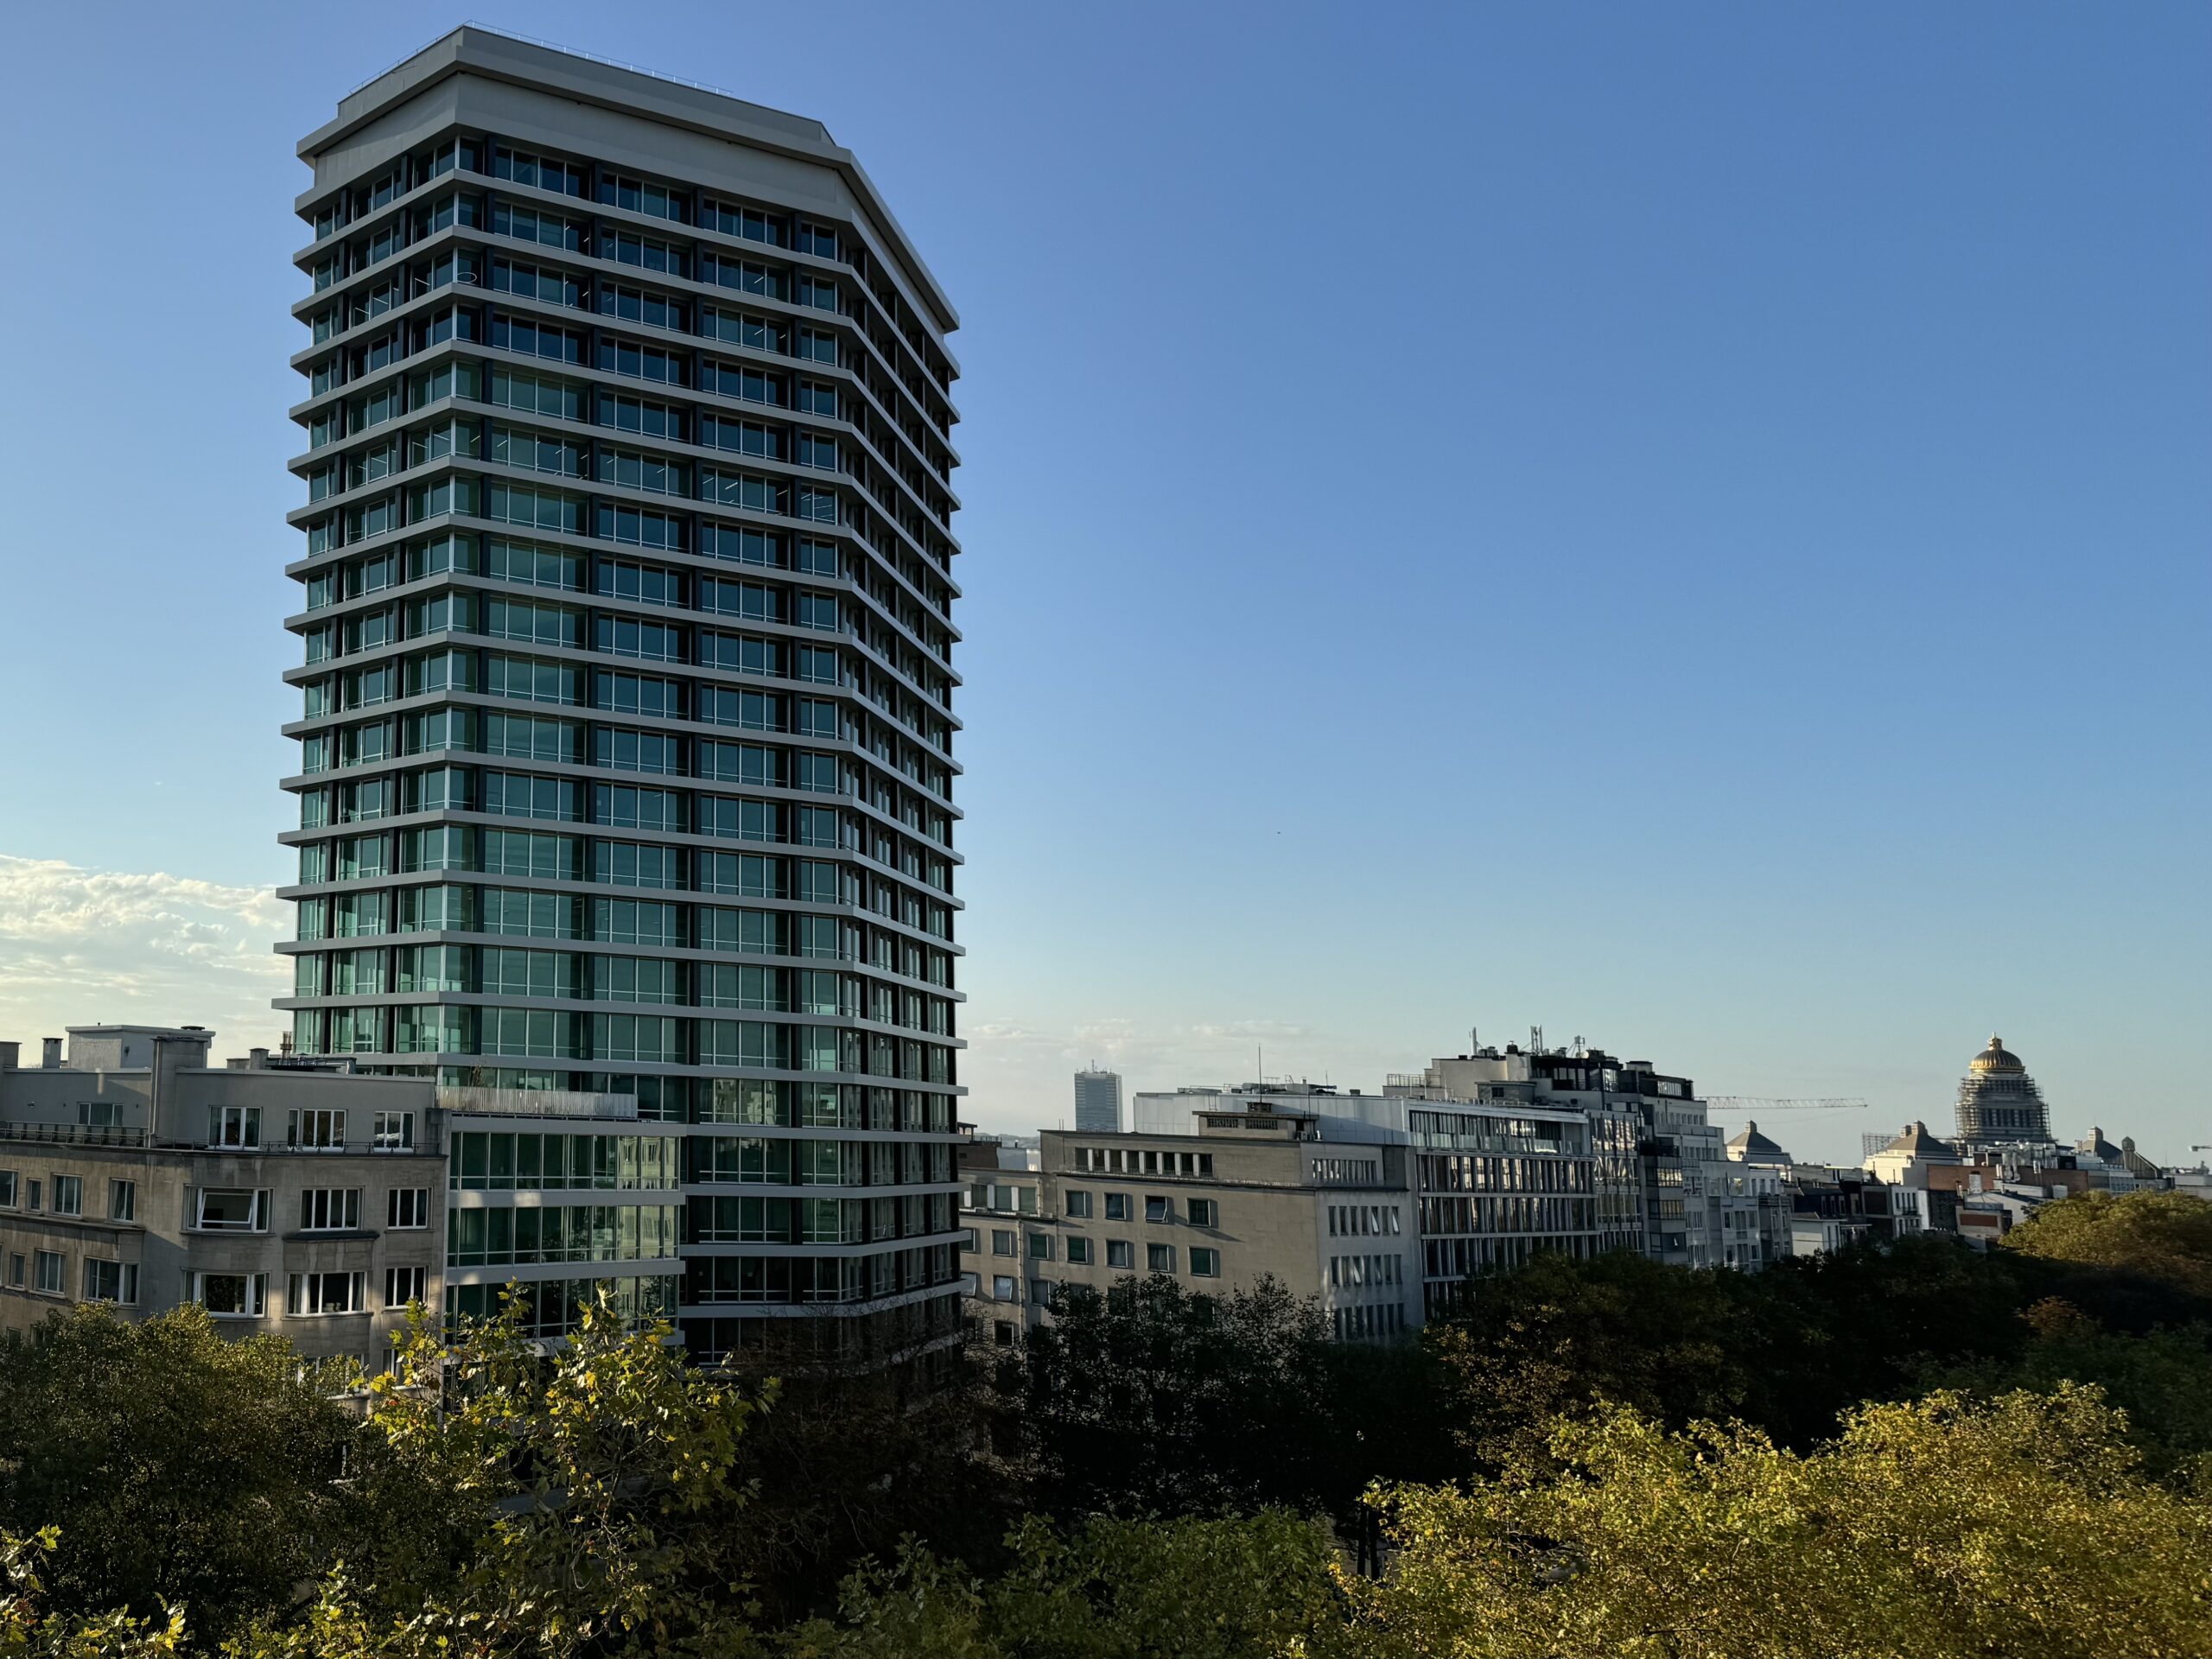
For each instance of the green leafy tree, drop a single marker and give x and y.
(29, 1630)
(1943, 1527)
(1248, 1588)
(1818, 1335)
(847, 1466)
(2161, 1379)
(553, 1505)
(1149, 1398)
(1558, 1336)
(178, 1466)
(2165, 1238)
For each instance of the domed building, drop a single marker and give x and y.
(1998, 1102)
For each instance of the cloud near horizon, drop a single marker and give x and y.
(83, 947)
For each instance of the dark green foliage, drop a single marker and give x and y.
(1561, 1334)
(845, 1468)
(1246, 1588)
(1151, 1398)
(178, 1467)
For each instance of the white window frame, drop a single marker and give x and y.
(122, 1199)
(394, 1132)
(405, 1285)
(330, 1210)
(316, 1128)
(304, 1287)
(71, 1187)
(234, 1126)
(258, 1211)
(407, 1208)
(9, 1195)
(126, 1280)
(256, 1298)
(39, 1259)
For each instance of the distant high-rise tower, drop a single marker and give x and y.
(1998, 1102)
(1099, 1102)
(626, 700)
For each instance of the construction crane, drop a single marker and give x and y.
(1749, 1104)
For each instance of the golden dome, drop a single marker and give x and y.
(1996, 1058)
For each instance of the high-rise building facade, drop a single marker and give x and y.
(627, 726)
(1099, 1102)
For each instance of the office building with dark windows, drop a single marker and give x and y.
(1099, 1102)
(626, 725)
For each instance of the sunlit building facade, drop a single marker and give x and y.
(626, 720)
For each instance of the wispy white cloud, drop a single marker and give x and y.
(80, 947)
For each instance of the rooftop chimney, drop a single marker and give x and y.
(10, 1056)
(50, 1054)
(257, 1058)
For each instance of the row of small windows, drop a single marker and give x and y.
(530, 335)
(535, 170)
(1465, 1172)
(548, 740)
(1134, 1160)
(566, 457)
(551, 857)
(538, 622)
(513, 1162)
(539, 1033)
(750, 600)
(804, 1279)
(535, 506)
(725, 1219)
(224, 1295)
(499, 971)
(1507, 1213)
(555, 398)
(1363, 1220)
(1120, 1256)
(500, 1236)
(571, 685)
(622, 806)
(321, 1210)
(1357, 1272)
(1159, 1208)
(497, 1160)
(65, 1196)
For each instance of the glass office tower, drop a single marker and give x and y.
(627, 699)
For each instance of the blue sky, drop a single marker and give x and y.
(1688, 525)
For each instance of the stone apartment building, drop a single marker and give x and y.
(1380, 1210)
(315, 1202)
(1253, 1193)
